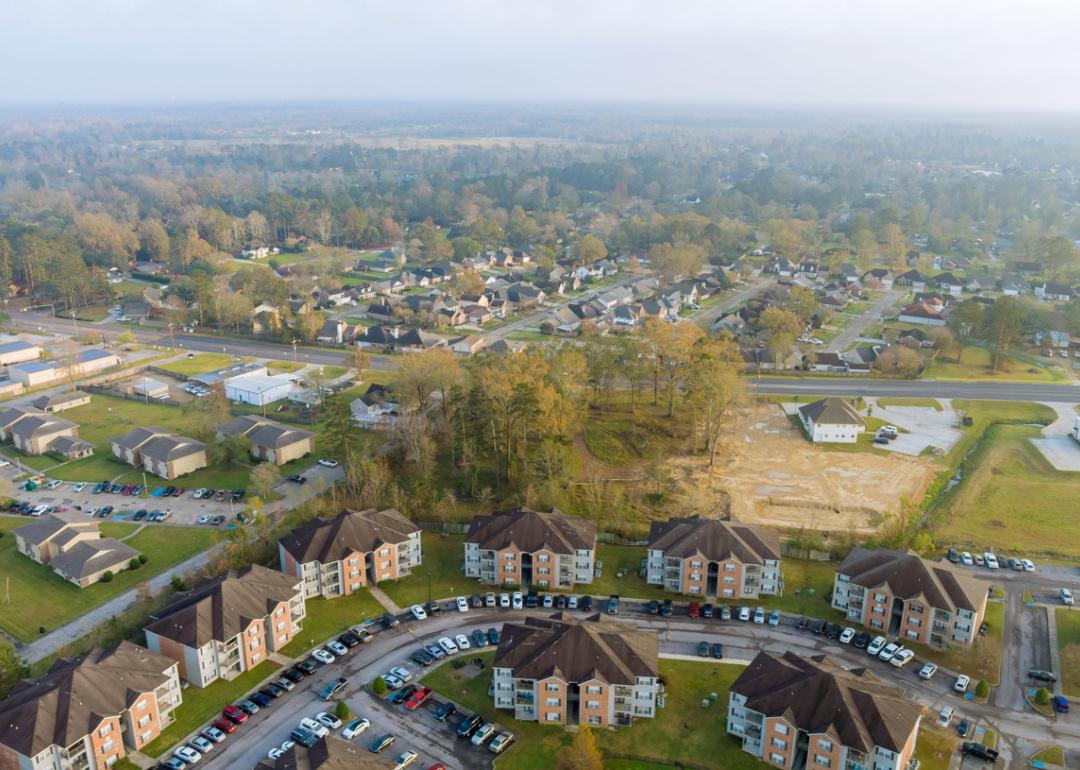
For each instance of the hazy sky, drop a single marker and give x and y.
(989, 54)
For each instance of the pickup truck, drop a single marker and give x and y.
(980, 751)
(333, 689)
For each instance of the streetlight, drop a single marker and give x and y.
(294, 344)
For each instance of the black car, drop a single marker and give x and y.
(261, 699)
(817, 627)
(654, 607)
(479, 638)
(294, 675)
(493, 636)
(420, 660)
(389, 621)
(304, 737)
(445, 711)
(560, 602)
(403, 694)
(426, 656)
(139, 514)
(476, 601)
(1042, 676)
(273, 691)
(469, 725)
(717, 650)
(706, 611)
(665, 608)
(954, 557)
(703, 649)
(532, 601)
(832, 631)
(307, 667)
(979, 750)
(861, 640)
(434, 608)
(349, 639)
(803, 624)
(296, 478)
(586, 603)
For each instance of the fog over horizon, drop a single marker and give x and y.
(956, 55)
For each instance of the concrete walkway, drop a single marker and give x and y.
(1058, 447)
(387, 603)
(58, 638)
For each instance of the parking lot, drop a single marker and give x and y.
(925, 426)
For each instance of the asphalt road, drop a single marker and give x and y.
(861, 386)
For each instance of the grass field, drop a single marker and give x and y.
(197, 364)
(974, 364)
(40, 597)
(622, 436)
(202, 705)
(284, 366)
(1051, 755)
(980, 661)
(330, 617)
(1068, 633)
(443, 557)
(935, 747)
(931, 403)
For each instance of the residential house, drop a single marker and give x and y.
(331, 333)
(34, 431)
(912, 278)
(468, 345)
(879, 277)
(1014, 287)
(228, 624)
(72, 545)
(531, 548)
(564, 670)
(831, 420)
(505, 347)
(900, 594)
(805, 713)
(712, 559)
(336, 557)
(58, 402)
(160, 451)
(826, 361)
(270, 441)
(948, 283)
(922, 313)
(87, 713)
(1057, 292)
(375, 406)
(18, 352)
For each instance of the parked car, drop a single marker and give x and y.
(484, 734)
(665, 608)
(389, 621)
(703, 649)
(965, 559)
(693, 610)
(1042, 676)
(334, 688)
(654, 607)
(847, 635)
(418, 698)
(304, 737)
(354, 727)
(462, 604)
(327, 719)
(984, 753)
(234, 714)
(927, 671)
(323, 656)
(876, 645)
(201, 744)
(817, 627)
(717, 650)
(215, 734)
(1029, 565)
(888, 651)
(1060, 704)
(744, 614)
(382, 742)
(187, 754)
(725, 613)
(954, 556)
(479, 638)
(1066, 596)
(404, 759)
(493, 636)
(226, 726)
(613, 605)
(328, 463)
(469, 725)
(261, 699)
(251, 707)
(707, 611)
(961, 683)
(402, 673)
(293, 676)
(418, 612)
(963, 728)
(902, 657)
(832, 631)
(445, 711)
(500, 742)
(315, 726)
(462, 642)
(337, 648)
(447, 645)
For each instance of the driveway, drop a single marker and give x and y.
(1057, 445)
(925, 426)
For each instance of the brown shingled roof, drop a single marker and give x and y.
(578, 650)
(75, 695)
(817, 695)
(222, 607)
(531, 530)
(715, 540)
(326, 541)
(908, 575)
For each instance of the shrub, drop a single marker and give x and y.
(107, 576)
(342, 710)
(177, 583)
(379, 686)
(142, 558)
(134, 563)
(982, 689)
(1042, 696)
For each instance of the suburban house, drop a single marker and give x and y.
(714, 559)
(922, 313)
(269, 440)
(375, 406)
(329, 753)
(260, 389)
(913, 278)
(61, 401)
(831, 420)
(72, 546)
(161, 452)
(563, 670)
(87, 712)
(809, 713)
(228, 624)
(878, 277)
(335, 557)
(35, 432)
(18, 352)
(526, 547)
(1053, 291)
(901, 594)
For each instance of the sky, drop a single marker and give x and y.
(990, 55)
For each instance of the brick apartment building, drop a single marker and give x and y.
(530, 548)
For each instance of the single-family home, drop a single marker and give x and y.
(831, 420)
(375, 406)
(913, 278)
(922, 313)
(879, 277)
(1056, 292)
(58, 402)
(948, 283)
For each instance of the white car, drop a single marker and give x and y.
(991, 560)
(418, 612)
(318, 728)
(328, 463)
(204, 519)
(405, 759)
(759, 616)
(517, 601)
(328, 719)
(402, 673)
(490, 600)
(902, 657)
(337, 648)
(847, 635)
(1066, 596)
(462, 604)
(962, 683)
(354, 728)
(744, 614)
(965, 559)
(889, 650)
(323, 656)
(287, 744)
(201, 744)
(198, 493)
(1029, 565)
(275, 753)
(927, 671)
(572, 602)
(876, 645)
(79, 487)
(392, 682)
(481, 736)
(504, 600)
(213, 734)
(462, 642)
(500, 742)
(447, 645)
(187, 754)
(38, 510)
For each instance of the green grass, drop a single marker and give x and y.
(284, 366)
(40, 597)
(807, 587)
(197, 364)
(524, 335)
(935, 747)
(1068, 639)
(624, 436)
(628, 558)
(333, 372)
(974, 364)
(201, 705)
(327, 618)
(1051, 755)
(980, 661)
(443, 557)
(931, 403)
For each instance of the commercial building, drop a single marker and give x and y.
(260, 390)
(227, 625)
(229, 373)
(530, 548)
(87, 713)
(73, 547)
(831, 420)
(335, 557)
(898, 593)
(269, 440)
(160, 451)
(17, 352)
(811, 713)
(714, 559)
(563, 670)
(37, 373)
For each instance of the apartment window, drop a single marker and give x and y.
(384, 552)
(695, 565)
(141, 705)
(279, 612)
(105, 730)
(729, 568)
(824, 745)
(593, 720)
(543, 557)
(823, 761)
(776, 759)
(253, 644)
(916, 608)
(777, 743)
(592, 704)
(879, 597)
(281, 625)
(780, 728)
(552, 687)
(914, 622)
(107, 747)
(553, 716)
(695, 589)
(256, 657)
(144, 721)
(252, 631)
(146, 736)
(509, 556)
(593, 689)
(543, 570)
(554, 702)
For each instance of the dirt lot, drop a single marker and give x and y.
(774, 476)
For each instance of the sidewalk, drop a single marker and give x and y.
(385, 600)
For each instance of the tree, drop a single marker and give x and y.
(153, 240)
(12, 668)
(1042, 696)
(715, 390)
(1057, 255)
(421, 374)
(341, 710)
(264, 478)
(802, 302)
(582, 753)
(203, 415)
(783, 327)
(359, 360)
(982, 689)
(589, 248)
(898, 360)
(126, 338)
(379, 686)
(677, 261)
(1004, 322)
(671, 347)
(465, 282)
(339, 427)
(134, 564)
(309, 324)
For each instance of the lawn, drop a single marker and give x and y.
(807, 587)
(935, 747)
(201, 705)
(624, 436)
(931, 403)
(39, 597)
(525, 335)
(618, 558)
(198, 363)
(284, 366)
(443, 557)
(1051, 755)
(327, 618)
(974, 364)
(980, 661)
(1068, 639)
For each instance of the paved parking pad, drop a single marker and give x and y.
(926, 427)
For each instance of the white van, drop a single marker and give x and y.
(946, 715)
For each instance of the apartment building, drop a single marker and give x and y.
(899, 593)
(160, 451)
(228, 624)
(810, 713)
(269, 440)
(89, 712)
(530, 548)
(73, 547)
(335, 557)
(564, 670)
(714, 559)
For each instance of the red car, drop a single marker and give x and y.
(416, 700)
(225, 725)
(437, 766)
(694, 610)
(235, 713)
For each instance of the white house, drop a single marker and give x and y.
(831, 420)
(260, 389)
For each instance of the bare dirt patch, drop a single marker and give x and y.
(773, 476)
